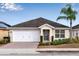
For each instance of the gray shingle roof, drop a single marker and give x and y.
(38, 22)
(4, 25)
(76, 26)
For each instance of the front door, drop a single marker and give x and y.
(46, 35)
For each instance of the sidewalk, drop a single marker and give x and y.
(18, 51)
(40, 51)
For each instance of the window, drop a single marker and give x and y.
(59, 33)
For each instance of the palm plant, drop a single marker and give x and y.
(68, 14)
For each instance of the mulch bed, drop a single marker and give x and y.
(73, 45)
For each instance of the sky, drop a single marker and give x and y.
(12, 13)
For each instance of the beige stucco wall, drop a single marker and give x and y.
(3, 33)
(52, 32)
(75, 32)
(46, 27)
(67, 34)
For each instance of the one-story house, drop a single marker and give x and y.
(33, 30)
(4, 31)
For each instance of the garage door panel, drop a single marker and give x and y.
(26, 36)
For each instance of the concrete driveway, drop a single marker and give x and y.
(19, 48)
(21, 45)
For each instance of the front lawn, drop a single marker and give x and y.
(73, 45)
(60, 43)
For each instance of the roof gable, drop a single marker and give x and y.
(38, 22)
(46, 25)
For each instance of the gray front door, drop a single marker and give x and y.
(46, 35)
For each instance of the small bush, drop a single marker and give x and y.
(55, 42)
(66, 40)
(5, 40)
(60, 41)
(52, 38)
(41, 39)
(75, 40)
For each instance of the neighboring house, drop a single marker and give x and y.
(4, 32)
(30, 31)
(76, 31)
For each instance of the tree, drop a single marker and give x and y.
(68, 14)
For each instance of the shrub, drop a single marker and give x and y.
(41, 39)
(60, 41)
(52, 38)
(5, 40)
(75, 40)
(55, 42)
(66, 40)
(2, 41)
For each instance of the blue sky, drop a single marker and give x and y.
(21, 12)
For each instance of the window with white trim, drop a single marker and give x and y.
(59, 33)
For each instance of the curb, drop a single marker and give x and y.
(56, 49)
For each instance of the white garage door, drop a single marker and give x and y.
(25, 36)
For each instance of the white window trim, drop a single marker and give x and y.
(60, 34)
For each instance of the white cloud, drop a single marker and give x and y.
(10, 7)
